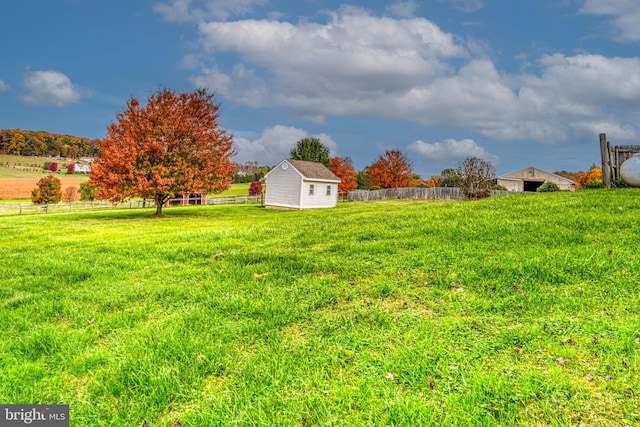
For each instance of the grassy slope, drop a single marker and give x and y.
(521, 309)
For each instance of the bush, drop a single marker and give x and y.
(71, 168)
(375, 187)
(499, 187)
(53, 167)
(596, 183)
(256, 188)
(548, 187)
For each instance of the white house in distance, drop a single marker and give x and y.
(298, 184)
(529, 179)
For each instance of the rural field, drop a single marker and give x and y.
(516, 310)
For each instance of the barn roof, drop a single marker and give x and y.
(517, 175)
(313, 170)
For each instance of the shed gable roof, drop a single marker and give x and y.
(313, 170)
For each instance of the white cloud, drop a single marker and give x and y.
(625, 15)
(198, 10)
(3, 86)
(404, 9)
(275, 144)
(450, 151)
(467, 6)
(407, 69)
(50, 88)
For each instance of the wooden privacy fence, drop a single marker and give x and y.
(442, 193)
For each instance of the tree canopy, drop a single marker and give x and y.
(476, 176)
(171, 145)
(311, 150)
(343, 168)
(391, 170)
(48, 191)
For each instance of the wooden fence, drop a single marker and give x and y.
(440, 193)
(613, 156)
(28, 208)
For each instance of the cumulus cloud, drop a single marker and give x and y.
(408, 69)
(450, 151)
(625, 15)
(404, 9)
(50, 88)
(275, 144)
(3, 86)
(198, 10)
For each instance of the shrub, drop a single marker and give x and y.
(499, 187)
(48, 191)
(256, 188)
(548, 187)
(375, 187)
(71, 168)
(450, 181)
(53, 167)
(596, 183)
(423, 185)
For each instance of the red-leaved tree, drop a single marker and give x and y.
(391, 170)
(342, 167)
(171, 145)
(255, 189)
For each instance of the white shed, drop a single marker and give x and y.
(529, 179)
(300, 185)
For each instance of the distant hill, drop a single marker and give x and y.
(42, 143)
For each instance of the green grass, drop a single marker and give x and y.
(518, 310)
(241, 189)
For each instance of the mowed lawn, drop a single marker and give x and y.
(517, 310)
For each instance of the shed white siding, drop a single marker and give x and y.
(289, 185)
(283, 187)
(319, 198)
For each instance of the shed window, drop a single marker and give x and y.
(328, 190)
(311, 188)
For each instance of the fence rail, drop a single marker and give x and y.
(441, 193)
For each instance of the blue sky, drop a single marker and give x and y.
(518, 83)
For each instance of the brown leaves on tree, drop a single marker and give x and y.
(171, 145)
(342, 167)
(391, 170)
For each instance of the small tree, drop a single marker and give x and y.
(391, 170)
(476, 177)
(311, 150)
(170, 146)
(343, 168)
(87, 193)
(70, 195)
(363, 180)
(71, 168)
(53, 167)
(256, 188)
(48, 191)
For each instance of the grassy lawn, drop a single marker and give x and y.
(518, 310)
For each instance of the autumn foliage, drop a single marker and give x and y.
(592, 175)
(391, 170)
(171, 145)
(342, 167)
(255, 189)
(48, 191)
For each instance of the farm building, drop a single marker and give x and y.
(529, 179)
(300, 185)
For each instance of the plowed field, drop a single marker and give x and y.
(20, 188)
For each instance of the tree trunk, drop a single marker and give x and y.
(160, 199)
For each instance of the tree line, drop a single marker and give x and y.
(41, 143)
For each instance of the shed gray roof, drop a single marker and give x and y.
(313, 170)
